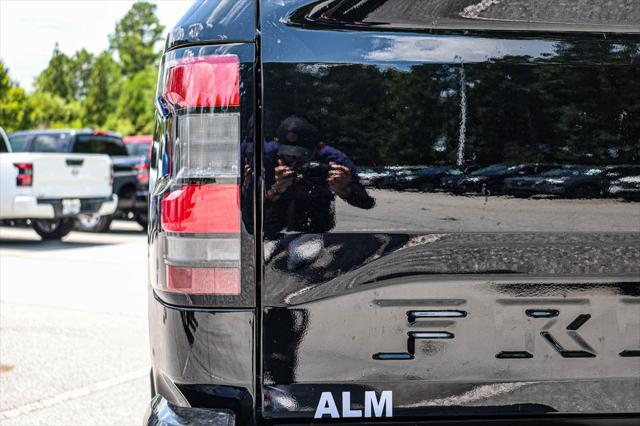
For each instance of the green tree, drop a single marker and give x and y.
(81, 66)
(98, 91)
(135, 38)
(5, 80)
(66, 76)
(57, 78)
(135, 103)
(13, 103)
(101, 91)
(47, 110)
(120, 125)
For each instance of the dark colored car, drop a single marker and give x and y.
(626, 187)
(284, 291)
(393, 178)
(427, 179)
(490, 180)
(576, 181)
(369, 175)
(131, 200)
(140, 146)
(448, 183)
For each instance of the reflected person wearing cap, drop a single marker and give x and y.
(302, 177)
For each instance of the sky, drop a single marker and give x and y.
(29, 29)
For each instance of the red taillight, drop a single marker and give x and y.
(142, 173)
(25, 174)
(210, 208)
(100, 132)
(200, 213)
(204, 81)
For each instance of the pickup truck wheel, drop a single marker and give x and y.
(52, 229)
(93, 223)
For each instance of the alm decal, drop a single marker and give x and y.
(373, 407)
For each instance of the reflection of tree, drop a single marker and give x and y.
(578, 105)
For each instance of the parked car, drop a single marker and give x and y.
(131, 202)
(284, 291)
(490, 180)
(369, 175)
(427, 179)
(382, 175)
(626, 187)
(577, 181)
(395, 175)
(448, 183)
(49, 190)
(140, 146)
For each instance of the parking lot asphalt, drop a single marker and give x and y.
(73, 317)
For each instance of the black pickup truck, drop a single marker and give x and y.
(132, 200)
(285, 291)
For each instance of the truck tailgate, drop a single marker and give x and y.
(390, 299)
(71, 175)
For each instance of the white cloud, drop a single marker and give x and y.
(30, 28)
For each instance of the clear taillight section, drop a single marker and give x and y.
(200, 211)
(207, 146)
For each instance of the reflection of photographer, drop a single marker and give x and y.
(302, 178)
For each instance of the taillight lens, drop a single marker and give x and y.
(142, 175)
(204, 81)
(200, 213)
(202, 208)
(207, 146)
(218, 281)
(25, 174)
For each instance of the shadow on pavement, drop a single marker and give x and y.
(39, 245)
(127, 231)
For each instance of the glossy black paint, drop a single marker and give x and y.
(451, 15)
(549, 287)
(441, 367)
(209, 21)
(388, 95)
(428, 179)
(579, 182)
(204, 358)
(489, 181)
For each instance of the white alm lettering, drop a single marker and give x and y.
(346, 407)
(373, 407)
(386, 401)
(326, 405)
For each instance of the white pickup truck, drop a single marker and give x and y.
(49, 190)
